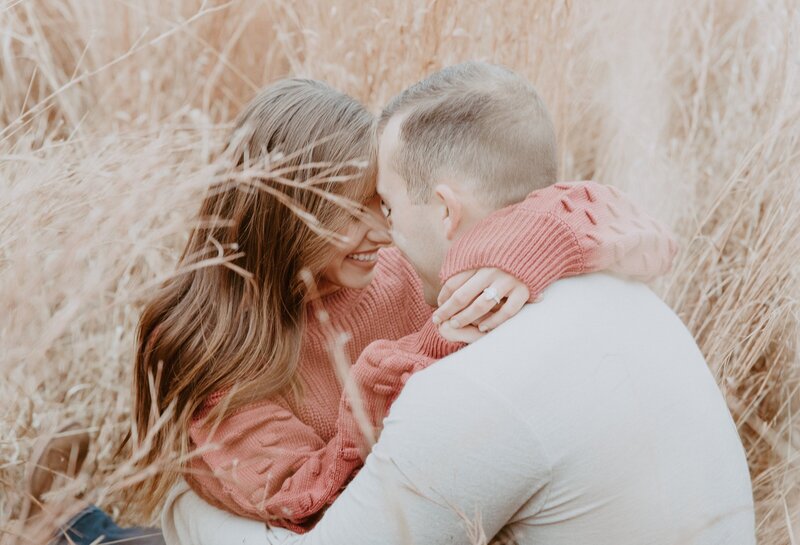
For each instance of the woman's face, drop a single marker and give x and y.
(352, 265)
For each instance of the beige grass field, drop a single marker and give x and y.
(111, 111)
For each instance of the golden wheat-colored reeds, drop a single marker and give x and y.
(110, 114)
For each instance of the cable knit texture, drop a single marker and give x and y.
(283, 462)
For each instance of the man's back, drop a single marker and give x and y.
(630, 440)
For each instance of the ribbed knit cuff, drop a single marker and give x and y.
(535, 247)
(433, 345)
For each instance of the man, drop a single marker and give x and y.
(590, 417)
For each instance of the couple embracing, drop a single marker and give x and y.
(365, 367)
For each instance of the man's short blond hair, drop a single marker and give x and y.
(477, 121)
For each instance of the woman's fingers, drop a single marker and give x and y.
(452, 284)
(463, 296)
(482, 304)
(468, 334)
(513, 304)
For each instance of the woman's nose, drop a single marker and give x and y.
(379, 235)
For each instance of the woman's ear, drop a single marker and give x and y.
(452, 209)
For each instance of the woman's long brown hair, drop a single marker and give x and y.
(237, 326)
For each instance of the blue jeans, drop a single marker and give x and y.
(92, 523)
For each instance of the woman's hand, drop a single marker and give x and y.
(474, 302)
(466, 334)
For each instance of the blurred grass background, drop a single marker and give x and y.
(111, 111)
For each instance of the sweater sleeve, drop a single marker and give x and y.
(264, 463)
(247, 458)
(564, 230)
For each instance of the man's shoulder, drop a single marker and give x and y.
(587, 295)
(575, 311)
(580, 323)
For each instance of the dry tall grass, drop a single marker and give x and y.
(110, 112)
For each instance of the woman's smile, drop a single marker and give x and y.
(363, 259)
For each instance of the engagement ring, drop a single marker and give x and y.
(490, 294)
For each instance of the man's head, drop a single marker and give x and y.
(465, 141)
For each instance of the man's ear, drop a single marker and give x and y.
(452, 209)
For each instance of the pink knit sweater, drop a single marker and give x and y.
(283, 462)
